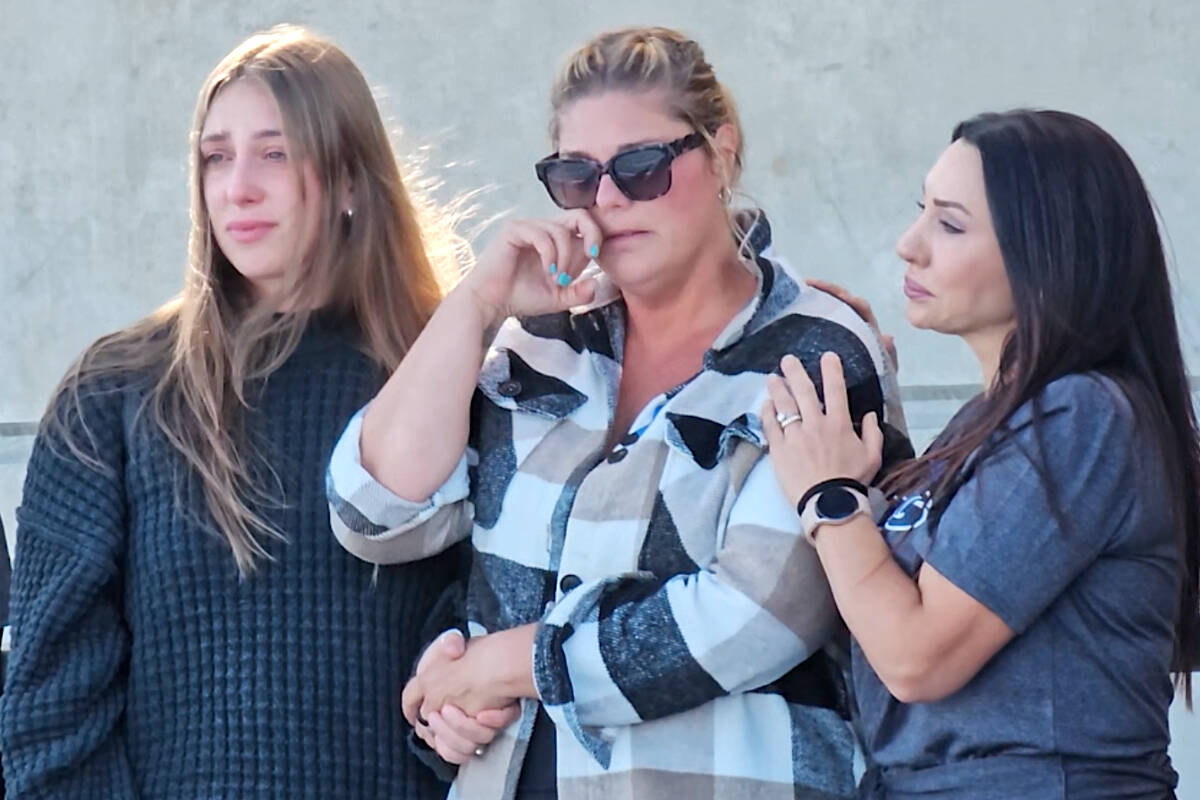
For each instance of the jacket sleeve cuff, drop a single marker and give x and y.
(371, 521)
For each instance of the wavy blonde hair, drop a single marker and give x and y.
(652, 59)
(385, 267)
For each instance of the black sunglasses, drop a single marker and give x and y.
(641, 173)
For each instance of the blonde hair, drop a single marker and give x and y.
(202, 348)
(652, 59)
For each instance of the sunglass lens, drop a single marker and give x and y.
(643, 174)
(572, 184)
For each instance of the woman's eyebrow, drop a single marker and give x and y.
(221, 136)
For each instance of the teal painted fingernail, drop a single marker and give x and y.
(553, 268)
(594, 251)
(564, 279)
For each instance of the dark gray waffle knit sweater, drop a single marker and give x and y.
(142, 666)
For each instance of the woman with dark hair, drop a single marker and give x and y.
(1035, 582)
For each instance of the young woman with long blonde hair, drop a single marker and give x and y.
(184, 624)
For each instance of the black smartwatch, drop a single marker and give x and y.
(832, 502)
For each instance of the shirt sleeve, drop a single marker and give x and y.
(635, 647)
(1042, 505)
(377, 525)
(65, 690)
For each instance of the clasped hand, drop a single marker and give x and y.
(449, 702)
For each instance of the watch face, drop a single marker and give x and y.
(837, 503)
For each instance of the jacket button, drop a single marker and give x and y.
(617, 454)
(629, 440)
(569, 582)
(509, 388)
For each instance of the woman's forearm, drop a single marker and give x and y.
(924, 638)
(415, 430)
(880, 604)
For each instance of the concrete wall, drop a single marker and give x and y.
(845, 106)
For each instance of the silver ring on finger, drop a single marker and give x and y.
(785, 419)
(479, 751)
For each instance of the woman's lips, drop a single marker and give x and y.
(246, 232)
(914, 290)
(623, 237)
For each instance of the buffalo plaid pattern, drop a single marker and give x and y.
(687, 634)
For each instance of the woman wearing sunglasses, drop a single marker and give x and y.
(1018, 616)
(639, 584)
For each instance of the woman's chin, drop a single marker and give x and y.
(916, 316)
(629, 273)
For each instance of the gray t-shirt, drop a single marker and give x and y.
(1076, 704)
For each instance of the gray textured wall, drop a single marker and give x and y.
(845, 106)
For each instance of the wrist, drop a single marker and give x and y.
(511, 654)
(473, 299)
(832, 502)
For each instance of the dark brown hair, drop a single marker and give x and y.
(1083, 255)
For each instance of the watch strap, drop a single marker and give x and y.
(816, 489)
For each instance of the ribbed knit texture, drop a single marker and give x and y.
(143, 666)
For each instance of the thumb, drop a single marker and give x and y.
(579, 293)
(448, 645)
(451, 644)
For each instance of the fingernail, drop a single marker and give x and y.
(553, 268)
(594, 251)
(564, 279)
